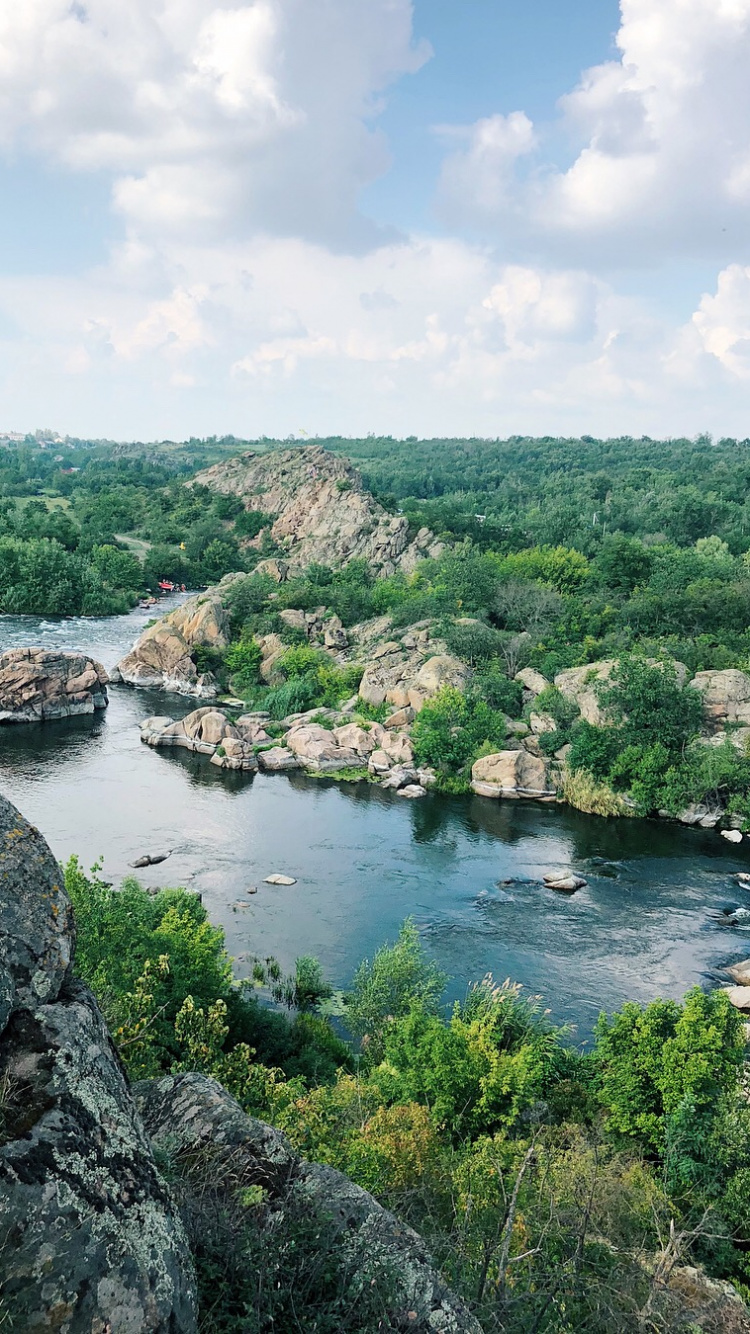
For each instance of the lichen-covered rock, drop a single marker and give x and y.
(91, 1239)
(193, 1113)
(37, 932)
(161, 658)
(38, 685)
(323, 513)
(512, 773)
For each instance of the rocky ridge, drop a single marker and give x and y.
(323, 512)
(94, 1241)
(40, 685)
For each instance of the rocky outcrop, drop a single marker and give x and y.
(161, 658)
(322, 511)
(193, 1115)
(91, 1239)
(407, 672)
(580, 684)
(386, 753)
(512, 773)
(208, 731)
(726, 696)
(39, 685)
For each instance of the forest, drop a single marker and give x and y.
(562, 553)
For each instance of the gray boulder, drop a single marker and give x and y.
(192, 1113)
(92, 1238)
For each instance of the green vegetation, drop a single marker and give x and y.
(558, 1188)
(559, 553)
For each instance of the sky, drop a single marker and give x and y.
(447, 217)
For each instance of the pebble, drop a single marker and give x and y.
(280, 880)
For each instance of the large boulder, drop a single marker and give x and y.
(38, 685)
(191, 1115)
(91, 1238)
(512, 773)
(161, 658)
(437, 672)
(532, 681)
(317, 749)
(726, 696)
(580, 684)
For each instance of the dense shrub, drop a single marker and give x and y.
(452, 728)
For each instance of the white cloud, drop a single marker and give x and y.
(662, 163)
(718, 335)
(213, 120)
(477, 176)
(250, 295)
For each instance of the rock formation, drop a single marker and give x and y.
(323, 513)
(39, 685)
(161, 658)
(91, 1238)
(726, 696)
(383, 751)
(92, 1241)
(192, 1114)
(512, 773)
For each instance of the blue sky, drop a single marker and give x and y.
(473, 217)
(488, 56)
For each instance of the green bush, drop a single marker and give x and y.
(660, 1063)
(384, 991)
(242, 660)
(451, 728)
(499, 691)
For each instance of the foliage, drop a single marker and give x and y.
(242, 660)
(385, 990)
(545, 1180)
(452, 727)
(665, 1072)
(479, 1072)
(145, 957)
(594, 797)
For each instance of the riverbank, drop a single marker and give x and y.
(365, 859)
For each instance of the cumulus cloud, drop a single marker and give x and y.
(718, 334)
(478, 174)
(213, 120)
(246, 290)
(662, 162)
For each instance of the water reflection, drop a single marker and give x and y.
(468, 870)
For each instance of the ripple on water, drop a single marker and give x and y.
(364, 860)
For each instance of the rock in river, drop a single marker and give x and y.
(38, 685)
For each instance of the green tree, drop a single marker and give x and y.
(385, 989)
(660, 1061)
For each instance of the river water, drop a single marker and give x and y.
(366, 859)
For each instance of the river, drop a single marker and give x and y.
(365, 859)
